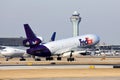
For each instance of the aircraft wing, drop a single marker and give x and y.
(62, 51)
(67, 50)
(75, 52)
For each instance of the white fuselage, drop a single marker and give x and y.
(12, 52)
(63, 45)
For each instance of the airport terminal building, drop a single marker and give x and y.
(11, 41)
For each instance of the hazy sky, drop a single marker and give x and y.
(101, 17)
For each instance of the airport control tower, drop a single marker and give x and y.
(75, 19)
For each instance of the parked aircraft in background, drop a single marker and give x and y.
(58, 47)
(11, 52)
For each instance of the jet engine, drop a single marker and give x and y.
(33, 42)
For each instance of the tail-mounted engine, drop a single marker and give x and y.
(30, 43)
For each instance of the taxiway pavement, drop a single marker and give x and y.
(54, 66)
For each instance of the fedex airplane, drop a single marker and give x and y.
(58, 47)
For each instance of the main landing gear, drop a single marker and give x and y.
(36, 58)
(22, 59)
(7, 58)
(49, 58)
(59, 58)
(71, 58)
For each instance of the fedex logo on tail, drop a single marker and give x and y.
(86, 42)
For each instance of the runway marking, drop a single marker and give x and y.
(55, 67)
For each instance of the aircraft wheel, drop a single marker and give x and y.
(22, 59)
(70, 59)
(7, 59)
(58, 58)
(37, 59)
(49, 58)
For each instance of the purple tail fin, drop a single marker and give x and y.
(29, 33)
(31, 40)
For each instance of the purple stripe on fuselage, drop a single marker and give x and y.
(39, 50)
